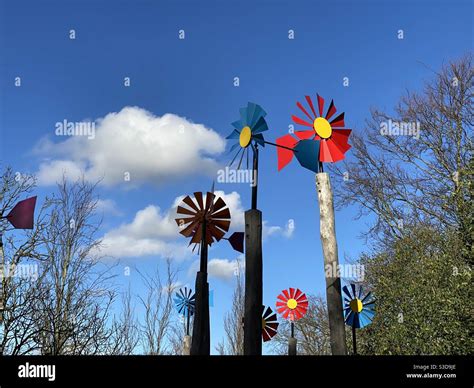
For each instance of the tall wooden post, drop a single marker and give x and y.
(253, 283)
(201, 343)
(253, 271)
(333, 281)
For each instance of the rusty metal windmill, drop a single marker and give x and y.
(205, 221)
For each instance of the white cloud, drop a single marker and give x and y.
(222, 269)
(286, 232)
(149, 233)
(150, 148)
(108, 206)
(155, 232)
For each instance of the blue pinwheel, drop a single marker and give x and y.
(184, 301)
(248, 131)
(358, 310)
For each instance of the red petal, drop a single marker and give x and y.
(338, 122)
(320, 105)
(331, 110)
(324, 154)
(305, 111)
(298, 293)
(336, 153)
(341, 138)
(284, 155)
(303, 135)
(297, 120)
(310, 103)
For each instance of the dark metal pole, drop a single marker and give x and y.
(255, 177)
(187, 322)
(292, 341)
(200, 343)
(354, 343)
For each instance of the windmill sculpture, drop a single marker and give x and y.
(269, 324)
(248, 135)
(292, 304)
(20, 217)
(184, 301)
(205, 221)
(325, 142)
(358, 310)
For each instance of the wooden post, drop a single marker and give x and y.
(253, 283)
(201, 342)
(331, 262)
(187, 345)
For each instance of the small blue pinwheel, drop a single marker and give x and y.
(358, 310)
(184, 301)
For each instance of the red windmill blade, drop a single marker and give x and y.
(331, 136)
(216, 214)
(269, 324)
(22, 214)
(292, 304)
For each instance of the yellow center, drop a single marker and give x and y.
(356, 305)
(322, 127)
(264, 323)
(291, 304)
(245, 136)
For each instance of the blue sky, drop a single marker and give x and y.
(193, 79)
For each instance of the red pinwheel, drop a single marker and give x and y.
(292, 304)
(326, 141)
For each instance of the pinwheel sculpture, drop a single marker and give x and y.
(20, 217)
(248, 135)
(325, 142)
(358, 310)
(292, 304)
(184, 301)
(269, 324)
(205, 221)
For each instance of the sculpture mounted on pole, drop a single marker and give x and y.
(292, 304)
(207, 222)
(325, 142)
(185, 303)
(358, 310)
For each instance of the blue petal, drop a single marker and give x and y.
(260, 126)
(234, 135)
(307, 153)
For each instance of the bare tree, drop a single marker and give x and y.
(125, 335)
(158, 305)
(177, 331)
(233, 344)
(19, 289)
(410, 167)
(74, 310)
(311, 331)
